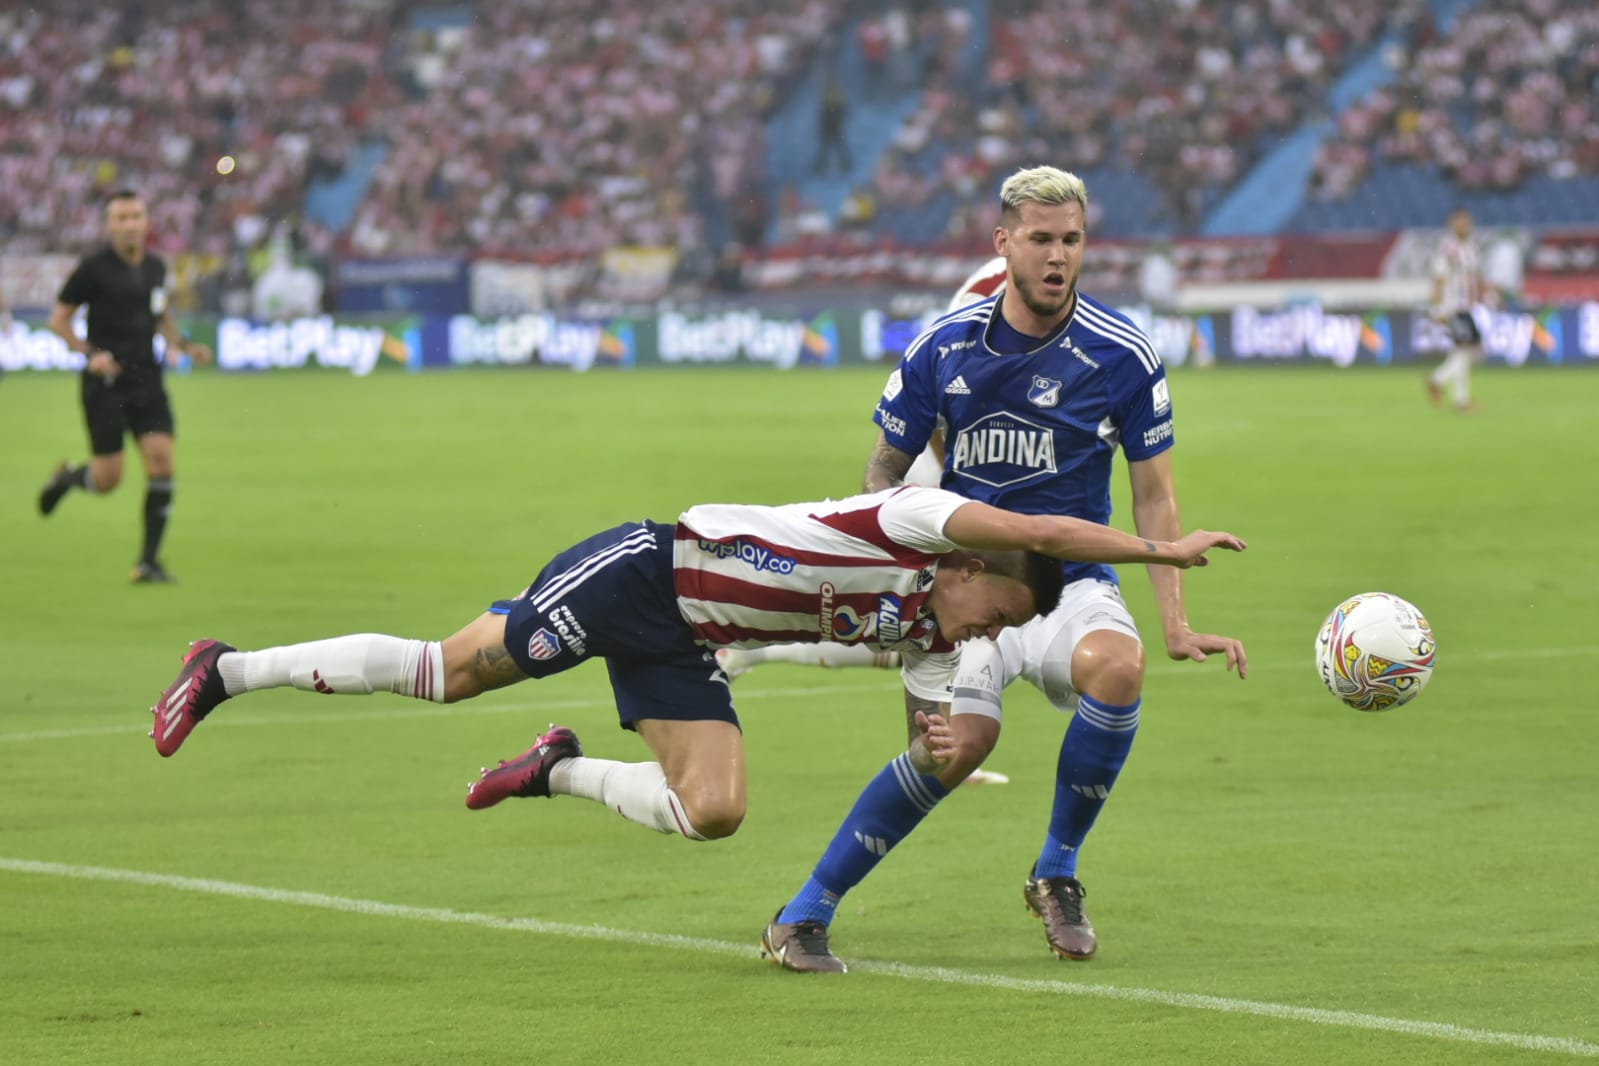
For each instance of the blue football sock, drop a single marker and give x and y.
(1097, 744)
(895, 803)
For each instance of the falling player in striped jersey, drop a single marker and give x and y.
(928, 469)
(912, 569)
(1456, 289)
(1035, 389)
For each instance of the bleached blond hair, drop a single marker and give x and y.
(1042, 185)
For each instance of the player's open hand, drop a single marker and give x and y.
(104, 364)
(937, 736)
(1198, 647)
(1191, 549)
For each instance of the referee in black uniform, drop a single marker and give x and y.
(124, 287)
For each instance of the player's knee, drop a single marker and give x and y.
(1118, 680)
(713, 816)
(460, 682)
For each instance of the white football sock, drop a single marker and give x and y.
(1455, 372)
(1462, 394)
(353, 665)
(636, 790)
(839, 655)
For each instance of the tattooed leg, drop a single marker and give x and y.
(475, 660)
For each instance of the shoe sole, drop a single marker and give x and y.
(1060, 953)
(479, 798)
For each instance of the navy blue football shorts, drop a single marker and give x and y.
(612, 597)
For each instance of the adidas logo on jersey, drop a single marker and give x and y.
(957, 387)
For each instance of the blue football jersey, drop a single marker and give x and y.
(1035, 432)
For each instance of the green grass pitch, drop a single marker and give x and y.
(1277, 879)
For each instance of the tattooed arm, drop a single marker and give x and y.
(887, 466)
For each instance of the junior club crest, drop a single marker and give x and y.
(1045, 391)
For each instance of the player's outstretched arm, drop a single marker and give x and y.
(1155, 513)
(980, 526)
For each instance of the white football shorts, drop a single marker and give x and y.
(1039, 651)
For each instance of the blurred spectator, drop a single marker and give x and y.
(284, 290)
(859, 210)
(830, 121)
(1503, 269)
(729, 273)
(1157, 279)
(873, 38)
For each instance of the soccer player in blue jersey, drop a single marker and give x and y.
(1034, 389)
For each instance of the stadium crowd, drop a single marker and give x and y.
(1185, 93)
(649, 115)
(1508, 93)
(96, 97)
(650, 119)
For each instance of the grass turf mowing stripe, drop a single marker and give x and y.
(932, 974)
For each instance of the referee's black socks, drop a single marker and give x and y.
(157, 505)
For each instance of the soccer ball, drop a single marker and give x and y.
(1375, 651)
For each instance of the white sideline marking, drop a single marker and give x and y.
(537, 706)
(933, 974)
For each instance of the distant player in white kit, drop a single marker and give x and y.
(928, 469)
(912, 570)
(1456, 289)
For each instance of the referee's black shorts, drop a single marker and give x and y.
(113, 411)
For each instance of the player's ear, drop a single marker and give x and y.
(973, 568)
